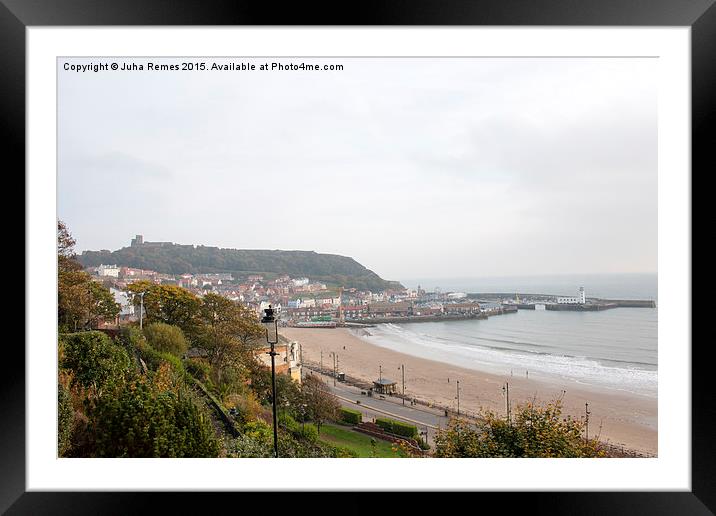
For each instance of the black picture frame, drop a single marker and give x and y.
(17, 15)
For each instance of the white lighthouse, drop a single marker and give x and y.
(582, 296)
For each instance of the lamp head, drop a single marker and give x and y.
(268, 315)
(270, 322)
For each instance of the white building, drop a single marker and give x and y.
(124, 300)
(457, 295)
(579, 300)
(108, 270)
(265, 304)
(300, 282)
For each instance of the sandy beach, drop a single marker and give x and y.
(625, 419)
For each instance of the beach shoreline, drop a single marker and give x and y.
(621, 418)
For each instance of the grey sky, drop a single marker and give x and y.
(414, 167)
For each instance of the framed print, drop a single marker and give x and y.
(268, 251)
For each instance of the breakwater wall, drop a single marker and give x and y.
(548, 299)
(416, 318)
(631, 303)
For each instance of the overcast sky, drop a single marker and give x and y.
(414, 167)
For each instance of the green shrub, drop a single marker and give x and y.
(351, 416)
(95, 361)
(306, 431)
(341, 452)
(286, 421)
(259, 430)
(199, 369)
(397, 427)
(140, 422)
(151, 357)
(65, 420)
(166, 338)
(384, 423)
(405, 429)
(309, 432)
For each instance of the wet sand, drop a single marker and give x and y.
(626, 419)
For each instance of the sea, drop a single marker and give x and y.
(613, 349)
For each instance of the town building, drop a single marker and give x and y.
(108, 270)
(123, 299)
(461, 308)
(390, 309)
(579, 300)
(287, 360)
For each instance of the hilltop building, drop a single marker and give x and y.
(138, 241)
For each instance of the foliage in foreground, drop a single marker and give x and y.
(108, 408)
(96, 363)
(534, 431)
(256, 441)
(143, 423)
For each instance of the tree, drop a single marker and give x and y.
(225, 330)
(102, 304)
(534, 431)
(168, 304)
(81, 302)
(321, 405)
(66, 250)
(165, 337)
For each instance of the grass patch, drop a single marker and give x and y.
(360, 443)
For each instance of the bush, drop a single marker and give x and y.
(95, 361)
(245, 446)
(247, 406)
(351, 416)
(405, 429)
(397, 427)
(533, 431)
(198, 368)
(344, 453)
(65, 421)
(259, 430)
(288, 422)
(166, 338)
(140, 422)
(151, 357)
(309, 432)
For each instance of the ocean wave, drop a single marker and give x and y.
(636, 377)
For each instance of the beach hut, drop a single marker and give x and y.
(384, 386)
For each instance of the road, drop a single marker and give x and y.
(425, 418)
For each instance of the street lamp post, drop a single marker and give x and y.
(335, 357)
(270, 322)
(141, 308)
(458, 397)
(402, 366)
(506, 390)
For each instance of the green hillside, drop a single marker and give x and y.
(170, 258)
